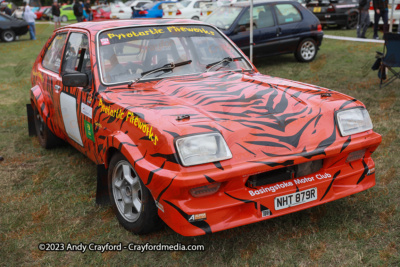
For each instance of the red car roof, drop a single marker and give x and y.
(95, 26)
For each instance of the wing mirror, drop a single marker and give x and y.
(240, 28)
(76, 79)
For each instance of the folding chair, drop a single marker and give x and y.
(390, 58)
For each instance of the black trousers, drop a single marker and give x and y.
(384, 14)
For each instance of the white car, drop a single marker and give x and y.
(206, 9)
(120, 11)
(396, 13)
(183, 10)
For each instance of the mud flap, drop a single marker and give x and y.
(31, 120)
(102, 196)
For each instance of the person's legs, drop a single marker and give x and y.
(376, 24)
(32, 30)
(365, 25)
(55, 19)
(385, 18)
(360, 17)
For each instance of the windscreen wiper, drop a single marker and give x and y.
(224, 60)
(166, 68)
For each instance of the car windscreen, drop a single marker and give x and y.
(126, 53)
(223, 17)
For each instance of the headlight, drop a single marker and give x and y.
(202, 148)
(353, 120)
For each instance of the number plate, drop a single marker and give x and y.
(170, 13)
(295, 199)
(208, 13)
(317, 9)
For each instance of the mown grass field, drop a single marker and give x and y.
(49, 195)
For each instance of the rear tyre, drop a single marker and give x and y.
(352, 20)
(64, 18)
(8, 36)
(46, 138)
(306, 51)
(131, 201)
(195, 18)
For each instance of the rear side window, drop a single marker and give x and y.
(287, 13)
(52, 58)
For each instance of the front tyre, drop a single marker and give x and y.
(306, 51)
(8, 36)
(131, 201)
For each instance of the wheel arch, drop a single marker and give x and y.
(141, 161)
(39, 102)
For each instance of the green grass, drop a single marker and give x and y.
(49, 195)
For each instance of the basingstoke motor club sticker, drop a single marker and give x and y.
(105, 41)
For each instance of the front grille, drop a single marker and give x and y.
(284, 174)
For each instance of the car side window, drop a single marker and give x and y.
(77, 43)
(245, 19)
(68, 8)
(287, 13)
(52, 58)
(265, 18)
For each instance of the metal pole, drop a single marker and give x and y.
(391, 18)
(251, 31)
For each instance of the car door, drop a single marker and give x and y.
(50, 79)
(241, 32)
(264, 30)
(289, 21)
(76, 102)
(267, 42)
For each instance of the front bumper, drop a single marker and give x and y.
(235, 204)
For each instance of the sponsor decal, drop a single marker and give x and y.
(271, 188)
(296, 181)
(323, 176)
(303, 180)
(154, 31)
(197, 217)
(132, 118)
(97, 124)
(38, 75)
(371, 171)
(86, 110)
(105, 41)
(89, 130)
(265, 213)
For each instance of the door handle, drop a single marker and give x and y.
(57, 88)
(278, 31)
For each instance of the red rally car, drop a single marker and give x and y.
(184, 128)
